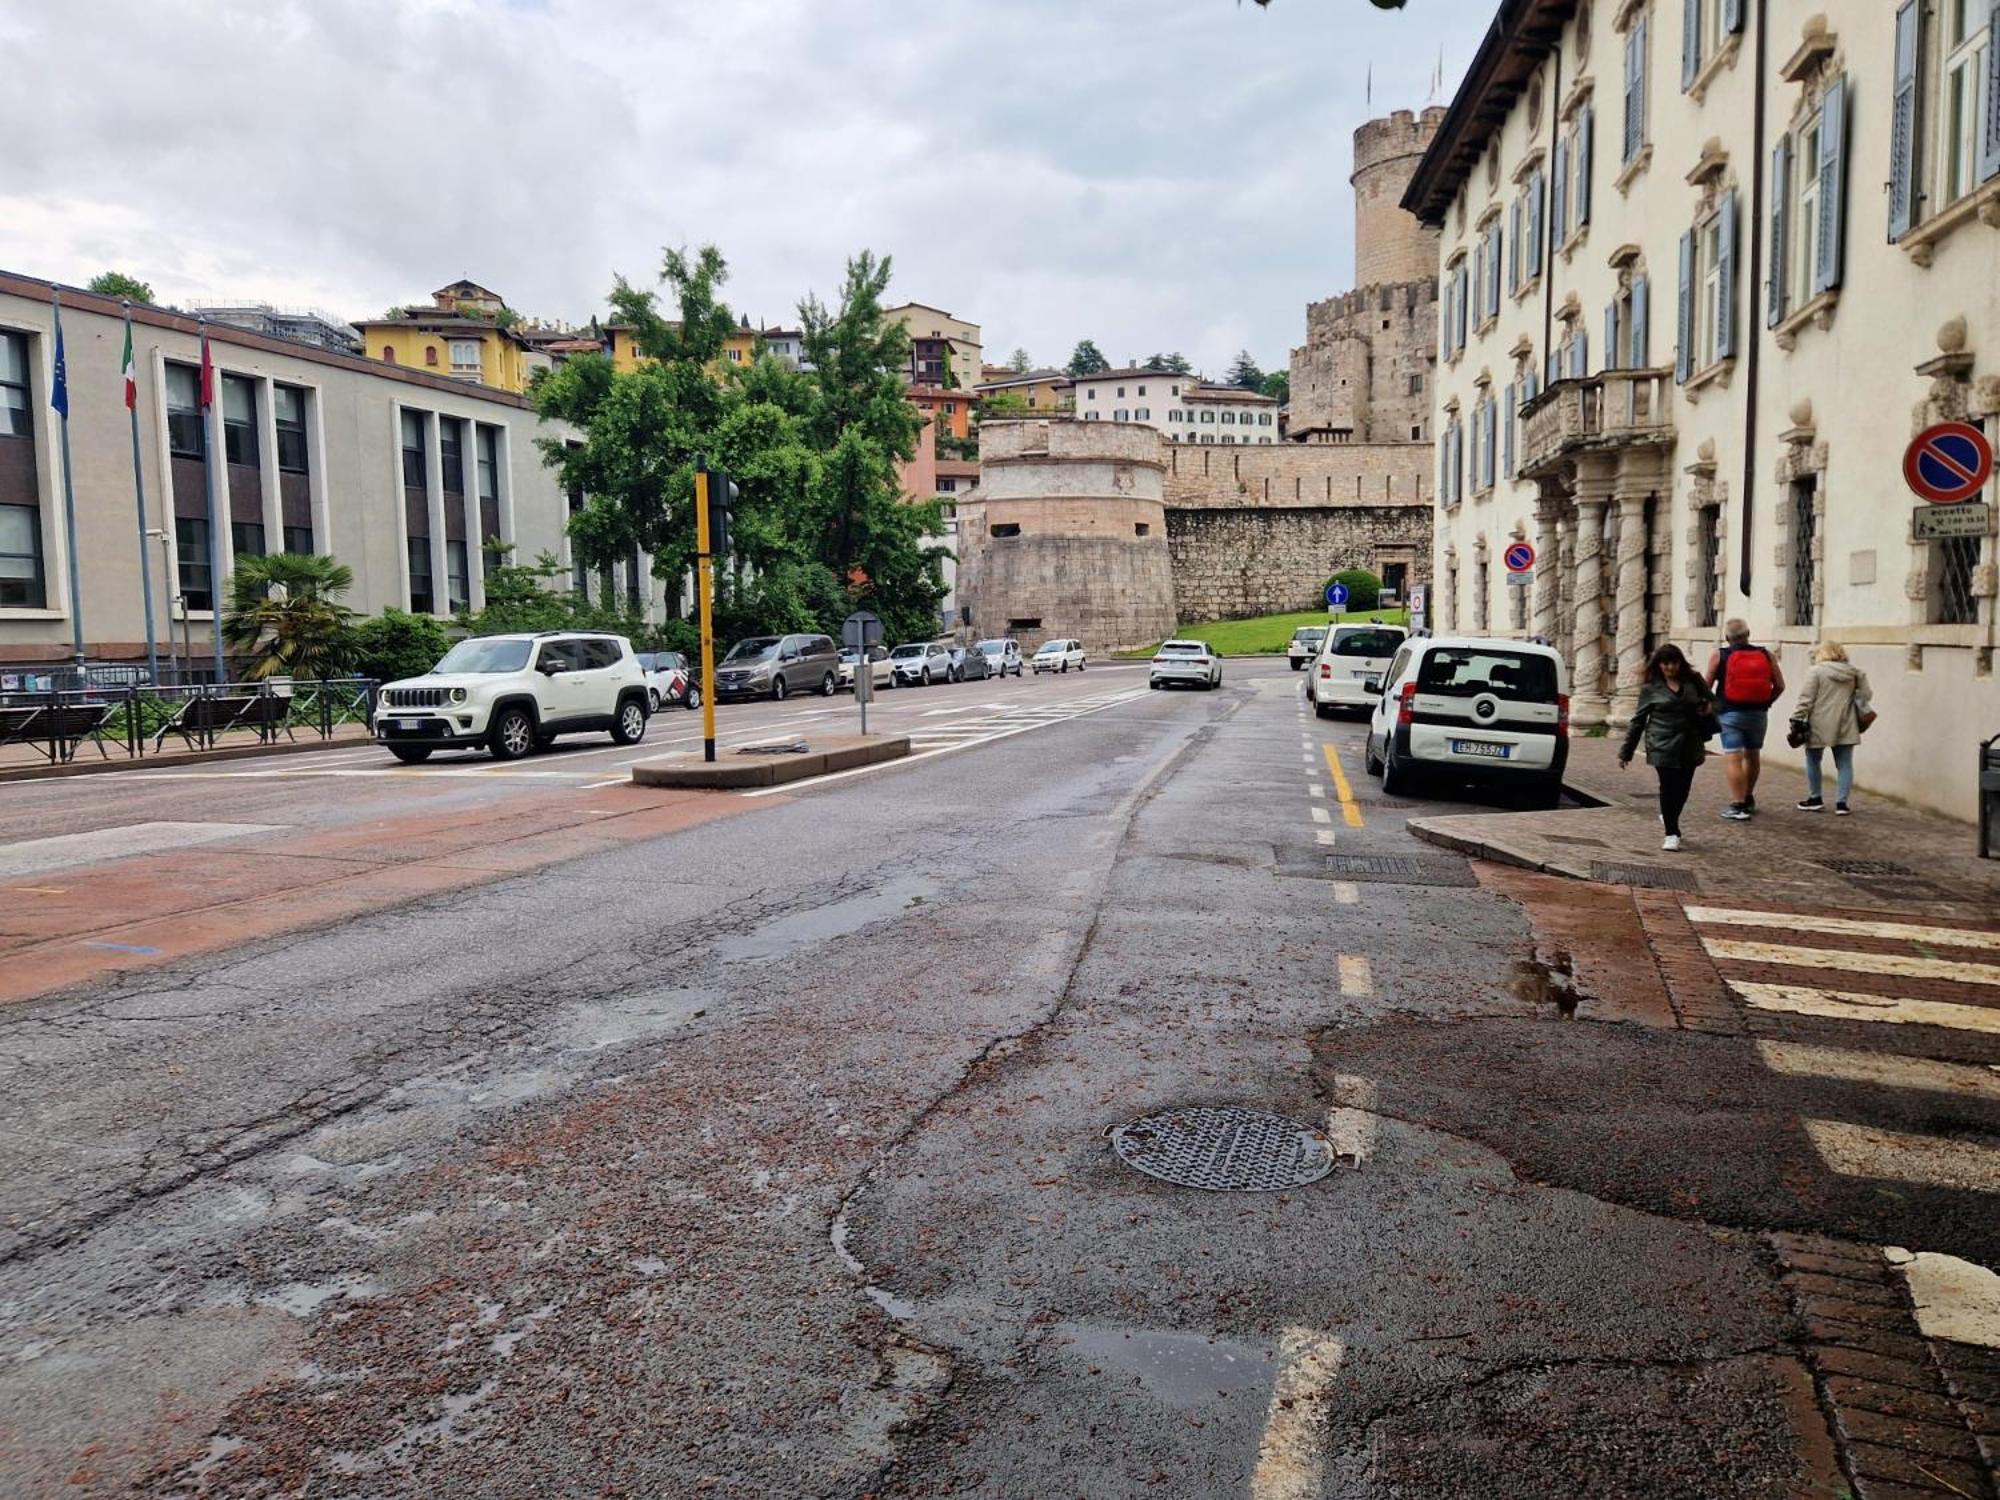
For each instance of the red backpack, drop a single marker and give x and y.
(1747, 678)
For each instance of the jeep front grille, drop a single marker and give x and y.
(415, 697)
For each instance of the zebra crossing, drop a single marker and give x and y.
(1914, 1006)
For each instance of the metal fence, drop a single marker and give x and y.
(59, 711)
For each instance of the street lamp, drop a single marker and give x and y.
(174, 600)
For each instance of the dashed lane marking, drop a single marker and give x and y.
(1890, 1069)
(1291, 1457)
(1346, 893)
(1898, 965)
(1844, 1005)
(1356, 982)
(1315, 790)
(1348, 809)
(1323, 836)
(1350, 1124)
(1320, 815)
(1936, 1161)
(1911, 932)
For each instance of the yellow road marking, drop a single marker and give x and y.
(40, 890)
(1347, 807)
(1355, 980)
(1290, 1459)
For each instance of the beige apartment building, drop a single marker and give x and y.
(944, 351)
(401, 474)
(1706, 268)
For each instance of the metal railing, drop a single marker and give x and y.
(57, 712)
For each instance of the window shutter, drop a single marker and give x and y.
(1559, 196)
(1611, 334)
(1514, 246)
(1635, 86)
(1554, 366)
(1579, 355)
(1492, 441)
(1690, 42)
(1732, 16)
(1464, 301)
(1725, 319)
(1493, 273)
(1989, 124)
(1903, 124)
(1507, 442)
(1642, 294)
(1781, 187)
(1684, 331)
(1832, 227)
(1533, 268)
(1586, 122)
(1533, 384)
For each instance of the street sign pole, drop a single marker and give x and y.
(858, 632)
(705, 587)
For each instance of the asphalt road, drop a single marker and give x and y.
(769, 1157)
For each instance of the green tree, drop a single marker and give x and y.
(1003, 406)
(1169, 364)
(284, 612)
(1244, 372)
(1279, 384)
(1087, 359)
(395, 644)
(118, 284)
(1019, 362)
(1364, 589)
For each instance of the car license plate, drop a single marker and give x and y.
(1371, 684)
(1488, 748)
(407, 724)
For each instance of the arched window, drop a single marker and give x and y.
(430, 354)
(388, 354)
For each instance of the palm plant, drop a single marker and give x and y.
(284, 613)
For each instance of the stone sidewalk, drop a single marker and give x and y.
(1885, 857)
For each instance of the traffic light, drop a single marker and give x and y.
(722, 497)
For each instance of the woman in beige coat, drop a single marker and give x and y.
(1833, 708)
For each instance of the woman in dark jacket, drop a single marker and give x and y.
(1674, 717)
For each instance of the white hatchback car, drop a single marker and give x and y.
(1192, 662)
(1348, 672)
(1057, 656)
(1472, 709)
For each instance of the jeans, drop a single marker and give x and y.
(1743, 728)
(1675, 784)
(1843, 766)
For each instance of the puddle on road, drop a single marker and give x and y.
(304, 1298)
(783, 935)
(1185, 1370)
(1547, 982)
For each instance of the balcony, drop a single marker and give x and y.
(1615, 409)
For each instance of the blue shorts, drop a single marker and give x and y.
(1743, 728)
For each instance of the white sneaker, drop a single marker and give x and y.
(1671, 842)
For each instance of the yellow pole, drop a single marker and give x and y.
(705, 587)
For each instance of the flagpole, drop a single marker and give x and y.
(59, 398)
(139, 497)
(208, 485)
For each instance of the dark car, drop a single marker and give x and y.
(970, 664)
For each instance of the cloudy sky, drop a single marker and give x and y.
(1153, 174)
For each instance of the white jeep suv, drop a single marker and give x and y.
(514, 693)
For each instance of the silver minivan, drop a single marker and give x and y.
(776, 666)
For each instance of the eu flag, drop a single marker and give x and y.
(59, 394)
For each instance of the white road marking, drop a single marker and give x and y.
(1901, 965)
(1323, 836)
(1913, 932)
(1320, 815)
(67, 850)
(1356, 981)
(1801, 1060)
(1846, 1005)
(1290, 1459)
(1315, 790)
(1937, 1161)
(1350, 1124)
(1346, 893)
(1955, 1299)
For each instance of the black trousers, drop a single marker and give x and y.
(1675, 784)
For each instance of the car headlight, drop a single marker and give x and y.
(458, 695)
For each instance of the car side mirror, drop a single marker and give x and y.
(548, 667)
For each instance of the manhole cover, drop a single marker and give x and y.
(1400, 869)
(1863, 867)
(1653, 877)
(1226, 1150)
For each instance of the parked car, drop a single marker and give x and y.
(920, 663)
(970, 664)
(1003, 654)
(774, 666)
(669, 680)
(1306, 641)
(1192, 662)
(1348, 672)
(1057, 656)
(511, 694)
(881, 672)
(1494, 711)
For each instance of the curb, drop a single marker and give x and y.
(177, 758)
(692, 772)
(1500, 854)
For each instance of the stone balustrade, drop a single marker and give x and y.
(1614, 409)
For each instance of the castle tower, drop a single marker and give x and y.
(1389, 244)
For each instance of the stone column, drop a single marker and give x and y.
(1631, 585)
(1587, 704)
(1548, 559)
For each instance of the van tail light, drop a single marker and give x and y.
(1325, 671)
(1562, 716)
(1406, 705)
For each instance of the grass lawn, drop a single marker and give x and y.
(1268, 635)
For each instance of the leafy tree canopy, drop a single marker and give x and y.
(395, 645)
(1279, 384)
(1019, 362)
(283, 611)
(118, 284)
(1088, 359)
(1244, 372)
(1169, 364)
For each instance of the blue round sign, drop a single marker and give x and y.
(1336, 594)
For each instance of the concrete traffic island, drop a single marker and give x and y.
(755, 765)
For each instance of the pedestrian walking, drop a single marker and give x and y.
(1746, 680)
(1675, 717)
(1832, 712)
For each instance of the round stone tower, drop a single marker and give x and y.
(1389, 244)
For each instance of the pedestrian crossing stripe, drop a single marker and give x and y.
(1898, 965)
(1909, 932)
(1840, 1005)
(1934, 1161)
(1889, 1069)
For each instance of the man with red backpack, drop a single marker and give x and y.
(1746, 681)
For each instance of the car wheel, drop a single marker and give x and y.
(1081, 664)
(777, 690)
(630, 727)
(1153, 682)
(924, 678)
(1369, 763)
(1064, 667)
(1544, 795)
(411, 755)
(653, 699)
(693, 699)
(1322, 710)
(826, 686)
(1396, 779)
(513, 734)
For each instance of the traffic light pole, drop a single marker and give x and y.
(705, 588)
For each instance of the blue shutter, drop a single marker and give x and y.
(1493, 272)
(1642, 294)
(1554, 364)
(1903, 123)
(1559, 196)
(1635, 88)
(1732, 16)
(1585, 127)
(1684, 331)
(1611, 334)
(1989, 124)
(1781, 187)
(1725, 319)
(1534, 254)
(1579, 355)
(1463, 301)
(1690, 42)
(1444, 319)
(1832, 227)
(1514, 246)
(1507, 443)
(1492, 441)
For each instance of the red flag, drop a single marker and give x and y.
(207, 374)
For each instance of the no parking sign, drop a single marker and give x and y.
(1948, 463)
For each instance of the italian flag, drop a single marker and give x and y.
(131, 374)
